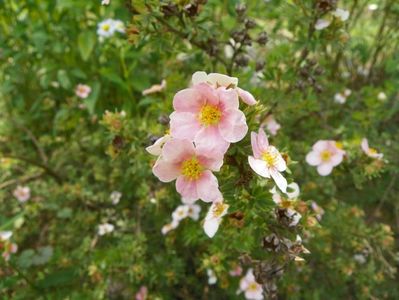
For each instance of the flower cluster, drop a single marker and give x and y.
(180, 213)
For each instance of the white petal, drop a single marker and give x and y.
(321, 24)
(279, 180)
(199, 77)
(295, 190)
(222, 80)
(211, 226)
(259, 166)
(324, 169)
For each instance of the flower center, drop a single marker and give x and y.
(253, 286)
(191, 168)
(372, 151)
(106, 27)
(270, 158)
(210, 115)
(218, 209)
(325, 155)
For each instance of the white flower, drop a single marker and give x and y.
(5, 235)
(252, 290)
(214, 217)
(194, 211)
(105, 228)
(359, 258)
(371, 152)
(212, 279)
(156, 88)
(118, 26)
(82, 91)
(341, 14)
(267, 160)
(216, 79)
(325, 155)
(372, 7)
(180, 213)
(170, 226)
(382, 96)
(156, 148)
(22, 193)
(295, 190)
(321, 24)
(106, 28)
(272, 125)
(105, 2)
(341, 97)
(115, 197)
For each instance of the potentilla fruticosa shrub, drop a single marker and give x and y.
(199, 149)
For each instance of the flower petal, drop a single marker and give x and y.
(222, 80)
(176, 150)
(279, 179)
(184, 125)
(313, 158)
(166, 171)
(324, 169)
(263, 142)
(233, 126)
(208, 187)
(187, 189)
(259, 166)
(198, 77)
(209, 139)
(211, 226)
(255, 147)
(188, 100)
(246, 97)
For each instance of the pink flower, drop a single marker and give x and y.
(82, 91)
(216, 80)
(252, 290)
(142, 293)
(208, 116)
(271, 125)
(192, 168)
(371, 152)
(325, 155)
(22, 193)
(156, 88)
(266, 160)
(236, 271)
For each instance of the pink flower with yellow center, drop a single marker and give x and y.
(267, 160)
(192, 168)
(82, 91)
(208, 116)
(371, 152)
(252, 290)
(325, 155)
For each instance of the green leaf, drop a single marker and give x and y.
(86, 42)
(63, 78)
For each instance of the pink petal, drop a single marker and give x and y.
(365, 145)
(208, 187)
(188, 100)
(228, 98)
(279, 179)
(263, 142)
(246, 97)
(313, 158)
(176, 150)
(255, 147)
(210, 160)
(233, 126)
(336, 159)
(259, 166)
(184, 125)
(208, 93)
(166, 171)
(209, 139)
(320, 146)
(187, 188)
(324, 169)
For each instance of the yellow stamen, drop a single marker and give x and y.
(325, 155)
(372, 151)
(218, 209)
(191, 168)
(106, 27)
(270, 158)
(253, 286)
(209, 115)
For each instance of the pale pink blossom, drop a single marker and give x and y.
(194, 211)
(142, 293)
(169, 227)
(371, 152)
(82, 91)
(272, 125)
(322, 24)
(214, 217)
(115, 197)
(156, 88)
(22, 193)
(208, 116)
(192, 168)
(267, 160)
(341, 14)
(216, 80)
(105, 228)
(341, 96)
(180, 213)
(156, 148)
(325, 155)
(236, 271)
(252, 290)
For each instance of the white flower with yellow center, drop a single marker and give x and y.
(214, 217)
(106, 28)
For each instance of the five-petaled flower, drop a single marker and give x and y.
(192, 168)
(214, 217)
(371, 152)
(22, 193)
(267, 160)
(325, 155)
(82, 91)
(252, 290)
(208, 116)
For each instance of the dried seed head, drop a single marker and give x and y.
(262, 38)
